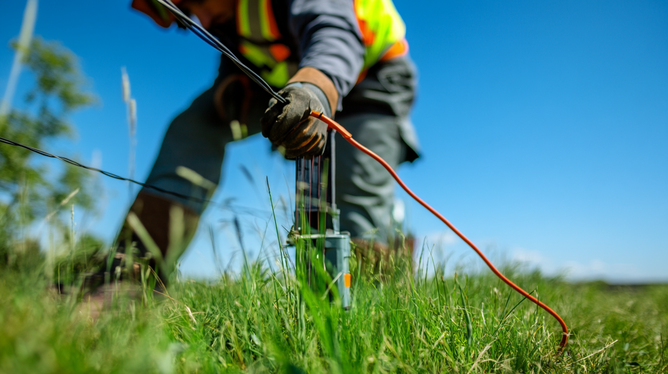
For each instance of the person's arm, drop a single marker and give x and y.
(332, 56)
(330, 44)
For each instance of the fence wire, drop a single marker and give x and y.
(251, 211)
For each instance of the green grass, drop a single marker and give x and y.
(267, 323)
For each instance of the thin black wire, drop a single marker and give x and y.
(222, 48)
(118, 177)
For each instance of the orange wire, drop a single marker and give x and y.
(348, 136)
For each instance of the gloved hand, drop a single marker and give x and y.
(289, 125)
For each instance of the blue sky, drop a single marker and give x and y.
(543, 125)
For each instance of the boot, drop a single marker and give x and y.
(170, 226)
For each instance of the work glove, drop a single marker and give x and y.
(290, 126)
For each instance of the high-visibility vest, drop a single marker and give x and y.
(380, 25)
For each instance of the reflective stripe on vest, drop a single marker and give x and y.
(256, 21)
(380, 24)
(257, 26)
(382, 30)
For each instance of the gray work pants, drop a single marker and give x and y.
(375, 112)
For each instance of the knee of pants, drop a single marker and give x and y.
(364, 189)
(196, 141)
(193, 148)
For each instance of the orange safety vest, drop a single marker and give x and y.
(380, 25)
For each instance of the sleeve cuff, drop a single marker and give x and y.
(319, 80)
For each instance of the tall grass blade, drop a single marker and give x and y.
(25, 37)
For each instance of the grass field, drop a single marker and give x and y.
(264, 322)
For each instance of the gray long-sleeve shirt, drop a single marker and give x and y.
(322, 34)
